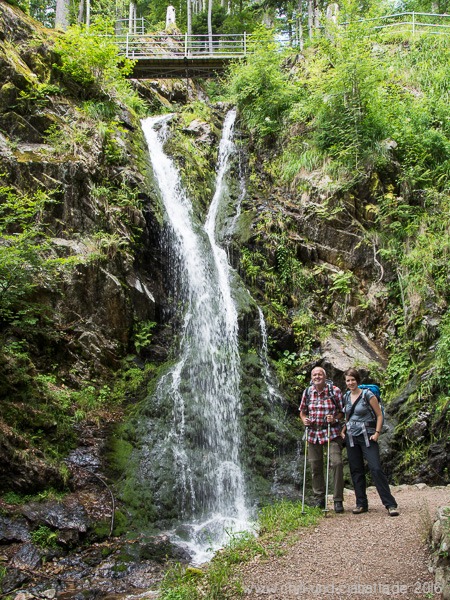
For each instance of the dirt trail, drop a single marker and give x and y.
(356, 557)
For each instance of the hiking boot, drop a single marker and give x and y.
(359, 509)
(338, 506)
(319, 504)
(393, 512)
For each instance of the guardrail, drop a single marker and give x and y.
(172, 45)
(138, 44)
(414, 22)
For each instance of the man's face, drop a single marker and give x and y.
(318, 378)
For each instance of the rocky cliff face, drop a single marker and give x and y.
(99, 222)
(314, 260)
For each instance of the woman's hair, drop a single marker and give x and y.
(353, 373)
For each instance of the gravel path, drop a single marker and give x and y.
(356, 557)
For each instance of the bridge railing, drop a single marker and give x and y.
(181, 45)
(138, 44)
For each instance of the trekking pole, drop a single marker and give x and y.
(325, 510)
(304, 470)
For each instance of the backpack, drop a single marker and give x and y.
(377, 393)
(329, 386)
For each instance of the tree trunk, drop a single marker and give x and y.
(80, 16)
(132, 18)
(310, 17)
(300, 24)
(62, 14)
(210, 34)
(189, 17)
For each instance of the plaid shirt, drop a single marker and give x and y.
(320, 405)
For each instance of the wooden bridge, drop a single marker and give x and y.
(178, 56)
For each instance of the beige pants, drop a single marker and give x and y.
(317, 455)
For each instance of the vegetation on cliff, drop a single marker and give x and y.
(353, 135)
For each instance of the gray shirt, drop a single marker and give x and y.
(363, 416)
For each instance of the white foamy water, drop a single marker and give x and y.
(203, 384)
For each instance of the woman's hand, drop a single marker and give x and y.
(374, 437)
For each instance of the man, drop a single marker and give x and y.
(321, 405)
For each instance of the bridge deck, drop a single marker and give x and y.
(179, 67)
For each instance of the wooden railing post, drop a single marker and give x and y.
(126, 46)
(414, 22)
(245, 42)
(186, 44)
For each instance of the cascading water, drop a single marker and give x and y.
(204, 443)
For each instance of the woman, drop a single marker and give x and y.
(362, 429)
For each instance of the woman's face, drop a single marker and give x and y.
(351, 383)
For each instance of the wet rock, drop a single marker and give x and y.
(27, 557)
(13, 530)
(346, 348)
(160, 548)
(24, 471)
(23, 596)
(57, 515)
(201, 130)
(13, 579)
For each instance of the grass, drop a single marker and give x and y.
(220, 580)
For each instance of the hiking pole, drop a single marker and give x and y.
(325, 510)
(304, 470)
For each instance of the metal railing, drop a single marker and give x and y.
(138, 44)
(182, 45)
(414, 22)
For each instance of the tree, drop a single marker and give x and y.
(210, 38)
(62, 14)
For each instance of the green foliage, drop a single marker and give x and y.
(36, 97)
(121, 524)
(103, 110)
(17, 499)
(3, 572)
(288, 365)
(441, 377)
(110, 244)
(91, 398)
(399, 368)
(91, 61)
(25, 262)
(180, 583)
(143, 334)
(342, 282)
(340, 107)
(44, 537)
(261, 89)
(285, 516)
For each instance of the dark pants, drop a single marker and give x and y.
(356, 456)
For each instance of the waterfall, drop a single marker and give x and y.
(201, 390)
(273, 393)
